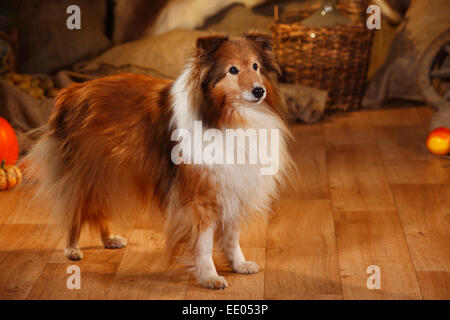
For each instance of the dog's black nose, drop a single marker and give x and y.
(258, 92)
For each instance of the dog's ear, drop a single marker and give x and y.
(263, 44)
(208, 45)
(264, 41)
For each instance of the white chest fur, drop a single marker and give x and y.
(243, 188)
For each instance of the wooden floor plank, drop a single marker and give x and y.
(424, 212)
(406, 157)
(8, 203)
(358, 180)
(141, 276)
(356, 172)
(425, 114)
(420, 185)
(96, 279)
(374, 238)
(24, 252)
(25, 210)
(349, 129)
(310, 158)
(435, 285)
(402, 142)
(405, 116)
(301, 258)
(253, 233)
(445, 164)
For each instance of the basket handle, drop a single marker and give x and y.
(275, 12)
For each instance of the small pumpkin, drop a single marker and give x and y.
(10, 176)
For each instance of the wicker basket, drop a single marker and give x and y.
(332, 59)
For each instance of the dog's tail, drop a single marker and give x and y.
(54, 189)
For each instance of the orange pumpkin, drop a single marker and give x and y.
(10, 176)
(9, 148)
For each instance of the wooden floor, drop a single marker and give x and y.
(369, 194)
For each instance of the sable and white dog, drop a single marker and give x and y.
(109, 144)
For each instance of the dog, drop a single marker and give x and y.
(110, 142)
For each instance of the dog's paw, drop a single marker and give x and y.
(214, 282)
(74, 254)
(115, 242)
(248, 267)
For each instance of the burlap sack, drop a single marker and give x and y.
(237, 19)
(160, 56)
(440, 118)
(132, 18)
(399, 5)
(46, 44)
(398, 76)
(136, 19)
(26, 114)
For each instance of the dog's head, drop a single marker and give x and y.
(235, 71)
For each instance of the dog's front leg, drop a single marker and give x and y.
(205, 271)
(232, 249)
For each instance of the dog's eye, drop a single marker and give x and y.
(234, 70)
(255, 66)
